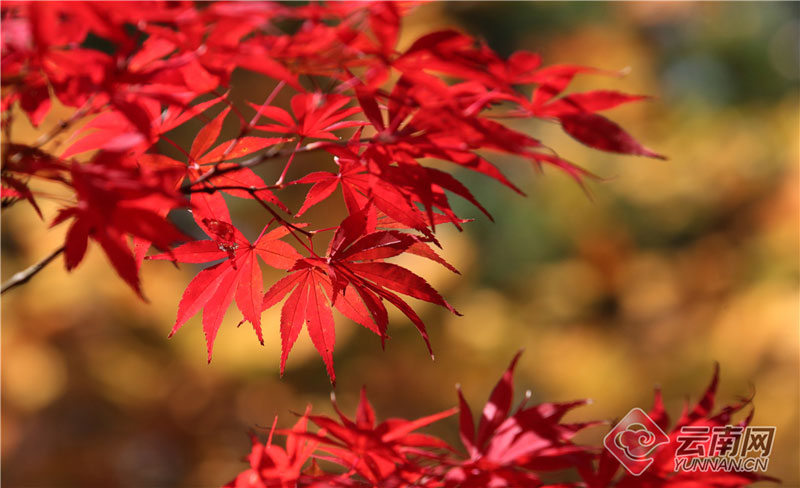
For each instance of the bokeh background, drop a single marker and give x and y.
(669, 267)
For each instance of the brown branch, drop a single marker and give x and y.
(262, 158)
(26, 274)
(249, 163)
(216, 188)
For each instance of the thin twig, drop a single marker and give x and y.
(216, 188)
(217, 170)
(65, 124)
(289, 226)
(26, 274)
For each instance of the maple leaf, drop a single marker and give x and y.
(353, 279)
(116, 200)
(234, 180)
(307, 304)
(272, 466)
(374, 450)
(21, 164)
(112, 130)
(359, 186)
(32, 58)
(238, 276)
(201, 155)
(585, 102)
(14, 189)
(316, 115)
(600, 133)
(662, 472)
(509, 449)
(552, 80)
(390, 180)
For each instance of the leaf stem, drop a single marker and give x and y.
(289, 163)
(289, 226)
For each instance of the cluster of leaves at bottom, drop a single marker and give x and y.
(519, 448)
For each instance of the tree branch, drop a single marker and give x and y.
(26, 274)
(216, 170)
(216, 188)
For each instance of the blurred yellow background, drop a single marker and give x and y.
(670, 267)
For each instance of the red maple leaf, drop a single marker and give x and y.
(377, 451)
(272, 466)
(117, 200)
(662, 472)
(316, 115)
(238, 276)
(510, 449)
(230, 176)
(112, 130)
(354, 279)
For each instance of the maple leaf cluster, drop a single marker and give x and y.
(525, 446)
(138, 70)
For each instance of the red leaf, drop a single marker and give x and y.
(75, 244)
(317, 193)
(553, 80)
(207, 135)
(239, 276)
(591, 101)
(217, 305)
(249, 292)
(499, 404)
(400, 279)
(600, 133)
(238, 148)
(293, 315)
(14, 188)
(375, 452)
(117, 200)
(316, 114)
(198, 293)
(466, 425)
(319, 321)
(121, 257)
